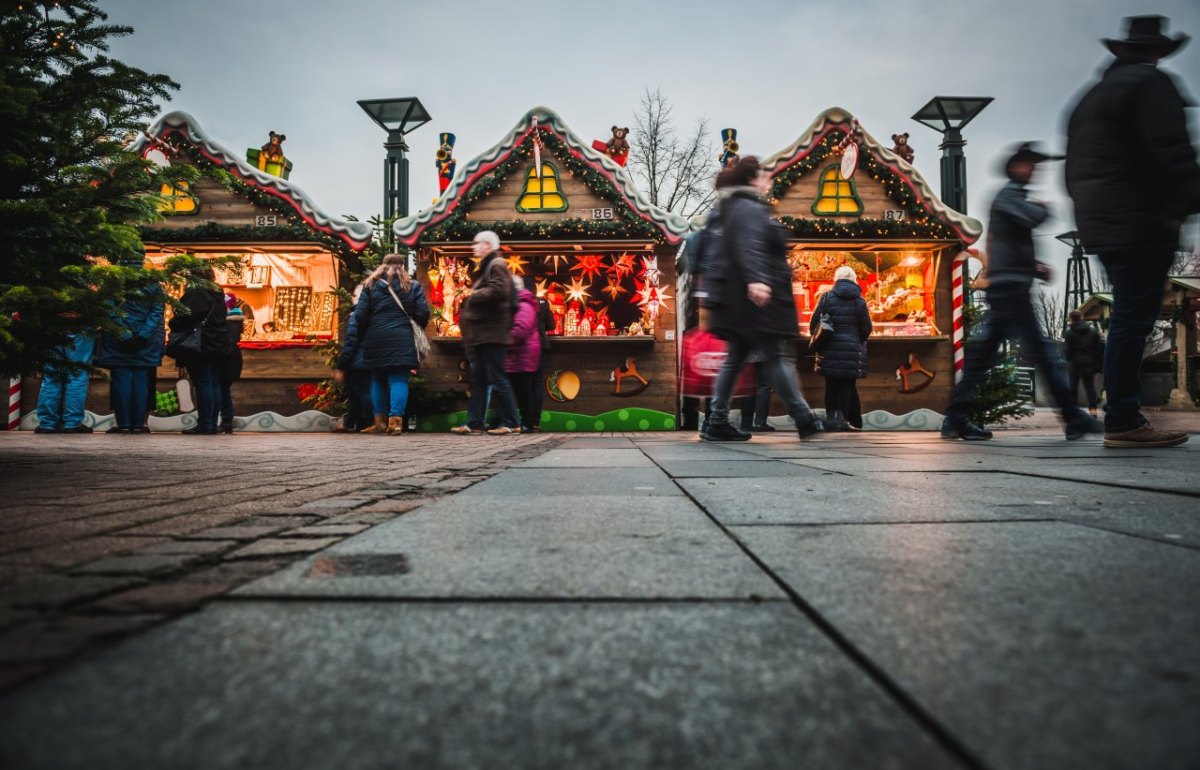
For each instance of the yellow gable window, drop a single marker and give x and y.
(542, 194)
(836, 197)
(178, 199)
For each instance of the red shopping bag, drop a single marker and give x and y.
(703, 355)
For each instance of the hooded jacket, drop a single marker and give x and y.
(141, 344)
(383, 327)
(207, 307)
(1084, 349)
(525, 351)
(846, 354)
(1011, 258)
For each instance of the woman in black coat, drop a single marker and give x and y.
(390, 298)
(750, 298)
(843, 361)
(206, 308)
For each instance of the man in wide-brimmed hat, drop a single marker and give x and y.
(1011, 270)
(1132, 172)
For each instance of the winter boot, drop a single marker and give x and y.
(380, 425)
(395, 425)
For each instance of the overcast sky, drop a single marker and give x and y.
(767, 68)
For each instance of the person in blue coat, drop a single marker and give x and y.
(64, 388)
(843, 362)
(389, 304)
(351, 370)
(131, 356)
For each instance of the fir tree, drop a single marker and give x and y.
(71, 193)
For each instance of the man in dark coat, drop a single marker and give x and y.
(486, 321)
(1085, 356)
(1133, 175)
(1012, 268)
(752, 307)
(205, 305)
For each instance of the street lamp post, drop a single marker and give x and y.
(947, 115)
(398, 117)
(1079, 275)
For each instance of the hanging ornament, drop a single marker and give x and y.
(614, 289)
(650, 269)
(849, 150)
(554, 259)
(539, 286)
(516, 264)
(589, 266)
(577, 291)
(622, 266)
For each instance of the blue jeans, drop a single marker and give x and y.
(389, 391)
(130, 387)
(63, 393)
(779, 367)
(1010, 316)
(487, 369)
(206, 382)
(1138, 281)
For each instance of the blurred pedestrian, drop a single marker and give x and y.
(843, 360)
(351, 371)
(205, 305)
(754, 407)
(1085, 357)
(524, 353)
(391, 301)
(751, 306)
(545, 323)
(1133, 175)
(231, 361)
(132, 355)
(61, 398)
(1012, 268)
(486, 322)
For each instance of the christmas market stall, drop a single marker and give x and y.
(284, 272)
(847, 199)
(569, 218)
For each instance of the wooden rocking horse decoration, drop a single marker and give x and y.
(628, 370)
(907, 369)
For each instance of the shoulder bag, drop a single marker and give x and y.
(420, 341)
(824, 333)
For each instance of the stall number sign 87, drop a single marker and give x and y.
(268, 220)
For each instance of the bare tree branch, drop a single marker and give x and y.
(675, 172)
(1048, 309)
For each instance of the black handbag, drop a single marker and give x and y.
(824, 333)
(184, 343)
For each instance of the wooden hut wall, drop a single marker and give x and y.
(500, 205)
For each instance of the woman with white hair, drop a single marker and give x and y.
(391, 301)
(843, 360)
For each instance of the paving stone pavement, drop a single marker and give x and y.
(101, 536)
(639, 600)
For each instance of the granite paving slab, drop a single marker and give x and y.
(597, 442)
(589, 458)
(474, 547)
(1038, 644)
(569, 483)
(763, 468)
(430, 686)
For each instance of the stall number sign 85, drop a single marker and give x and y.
(602, 213)
(268, 220)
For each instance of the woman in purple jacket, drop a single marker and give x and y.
(523, 356)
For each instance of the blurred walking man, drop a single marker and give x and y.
(1132, 172)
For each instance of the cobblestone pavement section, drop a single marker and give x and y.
(102, 536)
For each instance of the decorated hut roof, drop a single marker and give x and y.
(445, 220)
(926, 214)
(356, 235)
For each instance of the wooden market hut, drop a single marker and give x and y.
(569, 216)
(289, 257)
(905, 246)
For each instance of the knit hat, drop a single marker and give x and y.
(845, 273)
(230, 300)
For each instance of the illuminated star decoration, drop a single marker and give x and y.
(554, 259)
(577, 290)
(589, 266)
(539, 286)
(614, 289)
(516, 264)
(650, 269)
(622, 266)
(652, 297)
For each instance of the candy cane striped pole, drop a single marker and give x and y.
(958, 270)
(14, 403)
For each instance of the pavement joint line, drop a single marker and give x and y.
(1160, 540)
(1113, 484)
(893, 523)
(925, 719)
(459, 600)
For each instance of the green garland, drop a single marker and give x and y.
(457, 227)
(917, 222)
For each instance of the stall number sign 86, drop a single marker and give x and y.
(268, 220)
